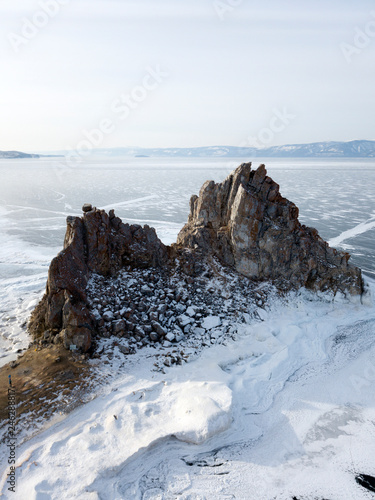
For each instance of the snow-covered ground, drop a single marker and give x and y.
(287, 409)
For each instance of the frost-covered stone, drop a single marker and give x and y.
(154, 336)
(180, 308)
(96, 315)
(170, 337)
(215, 334)
(108, 316)
(187, 328)
(178, 336)
(211, 322)
(199, 331)
(119, 326)
(184, 320)
(158, 328)
(124, 348)
(191, 311)
(146, 290)
(162, 308)
(138, 330)
(154, 316)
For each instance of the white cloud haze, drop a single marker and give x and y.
(229, 65)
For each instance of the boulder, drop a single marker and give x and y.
(87, 207)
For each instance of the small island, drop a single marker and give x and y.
(241, 227)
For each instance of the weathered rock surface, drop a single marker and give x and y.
(247, 224)
(244, 222)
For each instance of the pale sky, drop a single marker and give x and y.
(225, 70)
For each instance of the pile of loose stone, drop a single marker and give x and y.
(150, 307)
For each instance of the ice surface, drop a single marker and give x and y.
(23, 272)
(361, 228)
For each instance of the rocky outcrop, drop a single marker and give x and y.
(244, 222)
(95, 243)
(247, 224)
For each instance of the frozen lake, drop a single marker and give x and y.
(36, 196)
(286, 410)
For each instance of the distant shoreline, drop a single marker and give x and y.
(329, 149)
(317, 150)
(18, 155)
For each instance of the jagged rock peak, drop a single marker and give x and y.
(247, 224)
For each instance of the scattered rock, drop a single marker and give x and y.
(108, 316)
(199, 331)
(190, 311)
(170, 337)
(87, 207)
(366, 481)
(184, 320)
(124, 348)
(180, 308)
(158, 328)
(211, 322)
(94, 243)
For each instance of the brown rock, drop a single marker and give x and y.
(246, 223)
(86, 207)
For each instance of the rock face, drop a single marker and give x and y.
(99, 243)
(246, 223)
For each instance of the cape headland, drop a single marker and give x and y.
(113, 278)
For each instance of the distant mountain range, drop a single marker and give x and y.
(352, 149)
(332, 149)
